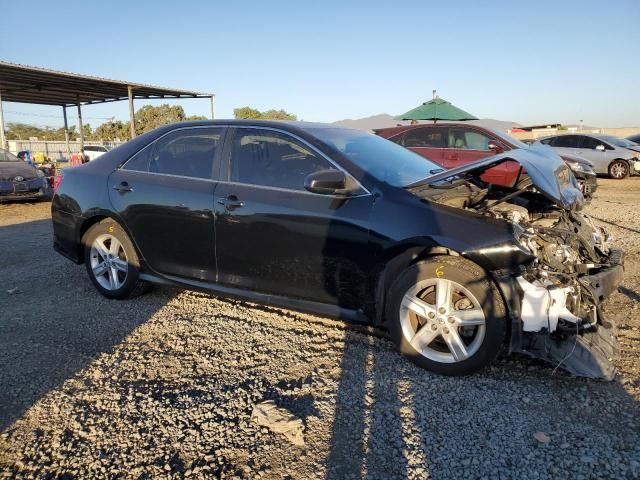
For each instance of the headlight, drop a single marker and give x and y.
(580, 167)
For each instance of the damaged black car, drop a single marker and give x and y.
(344, 223)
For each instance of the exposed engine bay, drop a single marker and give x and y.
(573, 268)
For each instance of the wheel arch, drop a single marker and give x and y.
(401, 260)
(396, 261)
(95, 218)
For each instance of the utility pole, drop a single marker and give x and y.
(132, 118)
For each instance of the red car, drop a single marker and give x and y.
(453, 145)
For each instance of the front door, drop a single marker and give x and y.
(467, 145)
(165, 194)
(273, 236)
(596, 151)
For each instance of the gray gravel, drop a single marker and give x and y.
(164, 386)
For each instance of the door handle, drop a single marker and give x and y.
(230, 203)
(124, 187)
(453, 156)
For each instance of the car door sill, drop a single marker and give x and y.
(302, 305)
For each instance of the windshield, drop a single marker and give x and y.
(8, 157)
(508, 138)
(383, 159)
(618, 142)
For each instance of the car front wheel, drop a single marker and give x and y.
(618, 169)
(446, 315)
(112, 262)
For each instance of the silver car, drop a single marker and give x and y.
(616, 157)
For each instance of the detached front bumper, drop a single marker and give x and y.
(584, 352)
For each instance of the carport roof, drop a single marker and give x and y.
(26, 84)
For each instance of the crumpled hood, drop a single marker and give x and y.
(9, 170)
(548, 173)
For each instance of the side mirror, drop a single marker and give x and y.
(495, 147)
(329, 182)
(600, 148)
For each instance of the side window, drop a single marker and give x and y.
(468, 139)
(588, 143)
(273, 159)
(425, 137)
(140, 161)
(184, 152)
(566, 141)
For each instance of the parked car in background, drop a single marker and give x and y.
(20, 180)
(454, 144)
(613, 156)
(634, 138)
(344, 223)
(94, 151)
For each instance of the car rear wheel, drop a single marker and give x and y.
(112, 262)
(446, 315)
(618, 169)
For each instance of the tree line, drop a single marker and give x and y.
(146, 118)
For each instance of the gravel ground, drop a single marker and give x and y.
(164, 386)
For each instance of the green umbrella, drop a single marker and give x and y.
(436, 109)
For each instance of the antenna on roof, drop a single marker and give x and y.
(434, 94)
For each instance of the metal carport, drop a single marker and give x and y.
(41, 86)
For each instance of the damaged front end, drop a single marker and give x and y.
(555, 298)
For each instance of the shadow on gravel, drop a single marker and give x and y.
(395, 420)
(629, 293)
(634, 230)
(53, 323)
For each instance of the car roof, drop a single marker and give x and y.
(291, 126)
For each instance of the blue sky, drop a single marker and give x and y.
(530, 62)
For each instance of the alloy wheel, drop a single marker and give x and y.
(618, 170)
(442, 320)
(109, 262)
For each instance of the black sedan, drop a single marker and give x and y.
(21, 181)
(347, 224)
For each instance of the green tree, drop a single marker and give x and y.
(196, 117)
(149, 117)
(278, 115)
(246, 113)
(112, 130)
(253, 114)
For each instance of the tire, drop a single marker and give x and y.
(619, 169)
(435, 339)
(112, 261)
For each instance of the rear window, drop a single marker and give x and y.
(184, 152)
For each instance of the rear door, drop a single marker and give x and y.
(429, 142)
(273, 236)
(164, 194)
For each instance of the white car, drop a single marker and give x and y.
(94, 151)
